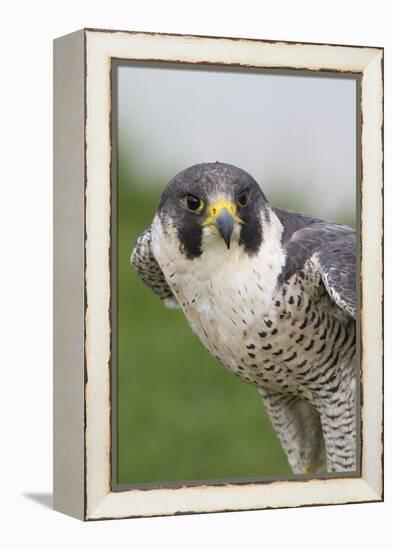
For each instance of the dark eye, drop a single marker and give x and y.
(193, 203)
(242, 198)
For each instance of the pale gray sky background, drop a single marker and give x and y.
(295, 134)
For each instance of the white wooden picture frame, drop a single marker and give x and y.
(83, 254)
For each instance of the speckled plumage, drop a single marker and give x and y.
(277, 308)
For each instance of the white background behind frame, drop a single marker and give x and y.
(101, 47)
(29, 481)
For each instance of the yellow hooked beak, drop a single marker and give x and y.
(222, 215)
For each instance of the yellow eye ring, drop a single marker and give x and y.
(194, 204)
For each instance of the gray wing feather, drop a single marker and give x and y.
(146, 266)
(337, 263)
(334, 248)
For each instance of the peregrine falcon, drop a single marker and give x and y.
(271, 294)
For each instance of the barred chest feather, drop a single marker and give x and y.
(279, 337)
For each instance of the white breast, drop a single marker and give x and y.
(224, 293)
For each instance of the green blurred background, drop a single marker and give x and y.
(180, 415)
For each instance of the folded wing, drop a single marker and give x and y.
(146, 266)
(332, 247)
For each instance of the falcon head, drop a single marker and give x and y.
(213, 204)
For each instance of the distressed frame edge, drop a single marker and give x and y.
(372, 269)
(235, 38)
(376, 493)
(361, 493)
(69, 278)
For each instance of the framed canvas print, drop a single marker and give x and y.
(218, 274)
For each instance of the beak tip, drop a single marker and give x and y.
(224, 224)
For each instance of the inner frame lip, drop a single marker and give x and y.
(235, 67)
